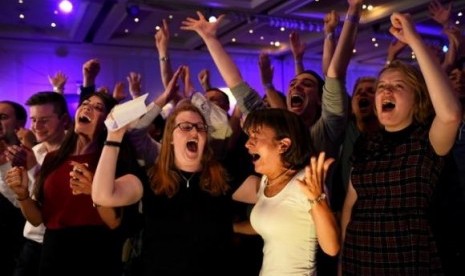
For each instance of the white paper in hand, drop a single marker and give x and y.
(127, 112)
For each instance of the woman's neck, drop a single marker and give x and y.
(85, 145)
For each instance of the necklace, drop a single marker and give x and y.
(269, 180)
(187, 179)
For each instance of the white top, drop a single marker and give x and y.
(30, 231)
(288, 230)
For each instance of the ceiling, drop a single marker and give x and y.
(254, 24)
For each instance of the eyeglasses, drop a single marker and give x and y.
(187, 126)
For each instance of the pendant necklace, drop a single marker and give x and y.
(268, 180)
(187, 179)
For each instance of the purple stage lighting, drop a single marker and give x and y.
(66, 6)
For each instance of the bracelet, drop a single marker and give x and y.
(112, 143)
(23, 199)
(352, 18)
(329, 35)
(164, 59)
(269, 85)
(317, 200)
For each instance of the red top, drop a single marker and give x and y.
(60, 207)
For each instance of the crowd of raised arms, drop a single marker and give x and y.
(314, 180)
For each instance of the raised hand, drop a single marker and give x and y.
(204, 28)
(171, 89)
(162, 38)
(330, 21)
(403, 28)
(297, 46)
(204, 79)
(186, 79)
(439, 13)
(394, 49)
(80, 179)
(90, 70)
(58, 81)
(315, 173)
(266, 69)
(118, 92)
(134, 82)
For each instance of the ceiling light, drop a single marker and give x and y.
(212, 19)
(233, 39)
(133, 10)
(21, 16)
(65, 6)
(277, 44)
(53, 24)
(459, 14)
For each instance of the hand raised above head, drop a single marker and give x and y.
(204, 28)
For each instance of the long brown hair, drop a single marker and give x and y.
(68, 145)
(164, 176)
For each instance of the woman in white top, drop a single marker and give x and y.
(291, 212)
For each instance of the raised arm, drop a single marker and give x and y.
(107, 190)
(134, 83)
(58, 82)
(331, 21)
(207, 31)
(247, 98)
(445, 103)
(90, 70)
(343, 52)
(455, 38)
(147, 149)
(440, 13)
(298, 51)
(162, 38)
(204, 79)
(266, 73)
(394, 49)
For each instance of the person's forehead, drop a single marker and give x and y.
(42, 110)
(6, 109)
(95, 99)
(187, 115)
(306, 76)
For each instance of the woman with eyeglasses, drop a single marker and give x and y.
(81, 238)
(188, 226)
